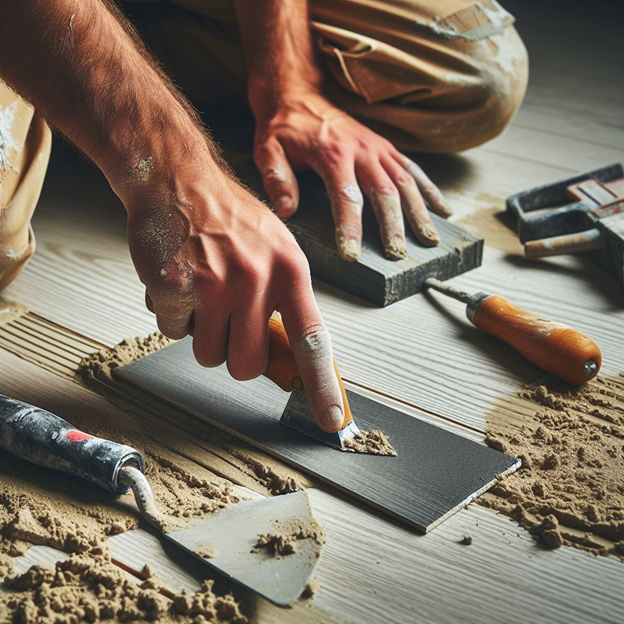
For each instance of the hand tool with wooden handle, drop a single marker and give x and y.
(282, 370)
(44, 439)
(559, 350)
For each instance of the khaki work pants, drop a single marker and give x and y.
(430, 75)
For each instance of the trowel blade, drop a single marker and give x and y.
(232, 534)
(298, 415)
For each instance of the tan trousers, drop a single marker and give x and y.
(430, 75)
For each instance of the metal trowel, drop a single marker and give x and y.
(225, 540)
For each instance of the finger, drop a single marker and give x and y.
(413, 204)
(430, 192)
(278, 177)
(386, 204)
(173, 313)
(312, 349)
(210, 339)
(347, 202)
(248, 346)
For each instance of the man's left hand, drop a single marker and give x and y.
(310, 132)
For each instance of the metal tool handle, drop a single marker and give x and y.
(40, 437)
(557, 349)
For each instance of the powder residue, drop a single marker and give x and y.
(374, 442)
(274, 476)
(89, 587)
(8, 144)
(569, 490)
(283, 540)
(208, 550)
(102, 364)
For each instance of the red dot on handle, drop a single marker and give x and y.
(73, 435)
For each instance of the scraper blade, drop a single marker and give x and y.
(231, 536)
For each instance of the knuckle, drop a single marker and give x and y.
(404, 179)
(385, 189)
(332, 150)
(206, 356)
(250, 368)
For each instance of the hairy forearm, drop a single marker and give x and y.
(278, 50)
(80, 66)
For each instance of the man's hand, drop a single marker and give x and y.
(296, 127)
(309, 132)
(215, 261)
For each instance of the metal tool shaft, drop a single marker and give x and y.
(460, 295)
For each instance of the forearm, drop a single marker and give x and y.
(76, 63)
(278, 49)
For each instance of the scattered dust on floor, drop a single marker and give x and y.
(374, 442)
(310, 590)
(493, 223)
(570, 488)
(283, 540)
(89, 587)
(101, 365)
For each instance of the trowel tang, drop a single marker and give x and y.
(47, 440)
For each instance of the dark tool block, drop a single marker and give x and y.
(435, 473)
(372, 277)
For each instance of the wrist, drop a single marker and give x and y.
(159, 162)
(266, 100)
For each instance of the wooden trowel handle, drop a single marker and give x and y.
(282, 369)
(559, 350)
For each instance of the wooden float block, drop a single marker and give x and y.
(435, 472)
(372, 277)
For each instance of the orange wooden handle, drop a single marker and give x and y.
(559, 350)
(282, 368)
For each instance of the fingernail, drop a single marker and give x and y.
(284, 206)
(448, 211)
(332, 419)
(349, 249)
(395, 249)
(429, 234)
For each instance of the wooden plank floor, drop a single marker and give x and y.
(422, 354)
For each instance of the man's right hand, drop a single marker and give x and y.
(216, 263)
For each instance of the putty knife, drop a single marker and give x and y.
(227, 536)
(282, 370)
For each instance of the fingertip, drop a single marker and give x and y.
(285, 206)
(349, 249)
(427, 234)
(331, 419)
(395, 248)
(444, 210)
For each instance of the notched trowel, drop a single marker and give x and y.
(225, 539)
(282, 370)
